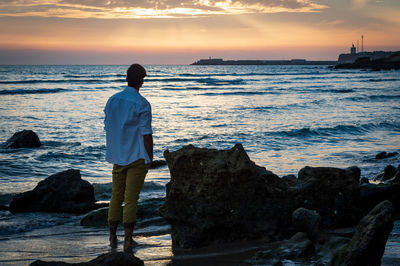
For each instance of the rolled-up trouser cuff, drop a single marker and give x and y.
(113, 223)
(129, 225)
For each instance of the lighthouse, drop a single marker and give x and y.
(352, 49)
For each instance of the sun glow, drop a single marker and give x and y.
(246, 29)
(149, 9)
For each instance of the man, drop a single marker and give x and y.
(129, 143)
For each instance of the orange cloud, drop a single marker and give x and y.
(150, 9)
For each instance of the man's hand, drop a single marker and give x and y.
(148, 144)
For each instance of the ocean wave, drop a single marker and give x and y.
(282, 82)
(197, 88)
(103, 191)
(228, 74)
(374, 98)
(27, 91)
(257, 108)
(205, 74)
(383, 80)
(60, 156)
(221, 81)
(341, 90)
(51, 143)
(384, 97)
(311, 77)
(165, 80)
(207, 81)
(239, 93)
(183, 88)
(336, 130)
(332, 91)
(95, 76)
(55, 81)
(152, 186)
(18, 223)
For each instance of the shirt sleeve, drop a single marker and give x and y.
(105, 115)
(145, 118)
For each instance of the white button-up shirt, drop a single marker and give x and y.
(127, 120)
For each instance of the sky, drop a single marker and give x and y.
(181, 32)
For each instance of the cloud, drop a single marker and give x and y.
(150, 8)
(359, 3)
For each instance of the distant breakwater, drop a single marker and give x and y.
(218, 61)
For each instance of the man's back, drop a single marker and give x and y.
(127, 120)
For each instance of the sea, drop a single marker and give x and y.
(286, 118)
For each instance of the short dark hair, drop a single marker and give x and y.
(135, 75)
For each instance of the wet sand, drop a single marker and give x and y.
(73, 243)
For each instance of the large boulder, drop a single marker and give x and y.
(61, 192)
(108, 259)
(23, 139)
(368, 243)
(373, 194)
(333, 193)
(221, 195)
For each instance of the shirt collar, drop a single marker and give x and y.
(131, 89)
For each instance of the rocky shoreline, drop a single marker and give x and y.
(215, 198)
(219, 196)
(389, 63)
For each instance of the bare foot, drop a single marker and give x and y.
(129, 244)
(113, 241)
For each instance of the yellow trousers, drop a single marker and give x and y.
(127, 181)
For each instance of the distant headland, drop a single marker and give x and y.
(354, 60)
(377, 60)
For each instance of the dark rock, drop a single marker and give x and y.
(157, 163)
(368, 243)
(117, 258)
(330, 247)
(289, 177)
(298, 247)
(381, 155)
(378, 177)
(364, 180)
(344, 232)
(4, 208)
(222, 196)
(217, 195)
(373, 194)
(96, 218)
(61, 192)
(384, 155)
(23, 139)
(307, 221)
(389, 172)
(395, 179)
(147, 210)
(108, 259)
(99, 205)
(333, 193)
